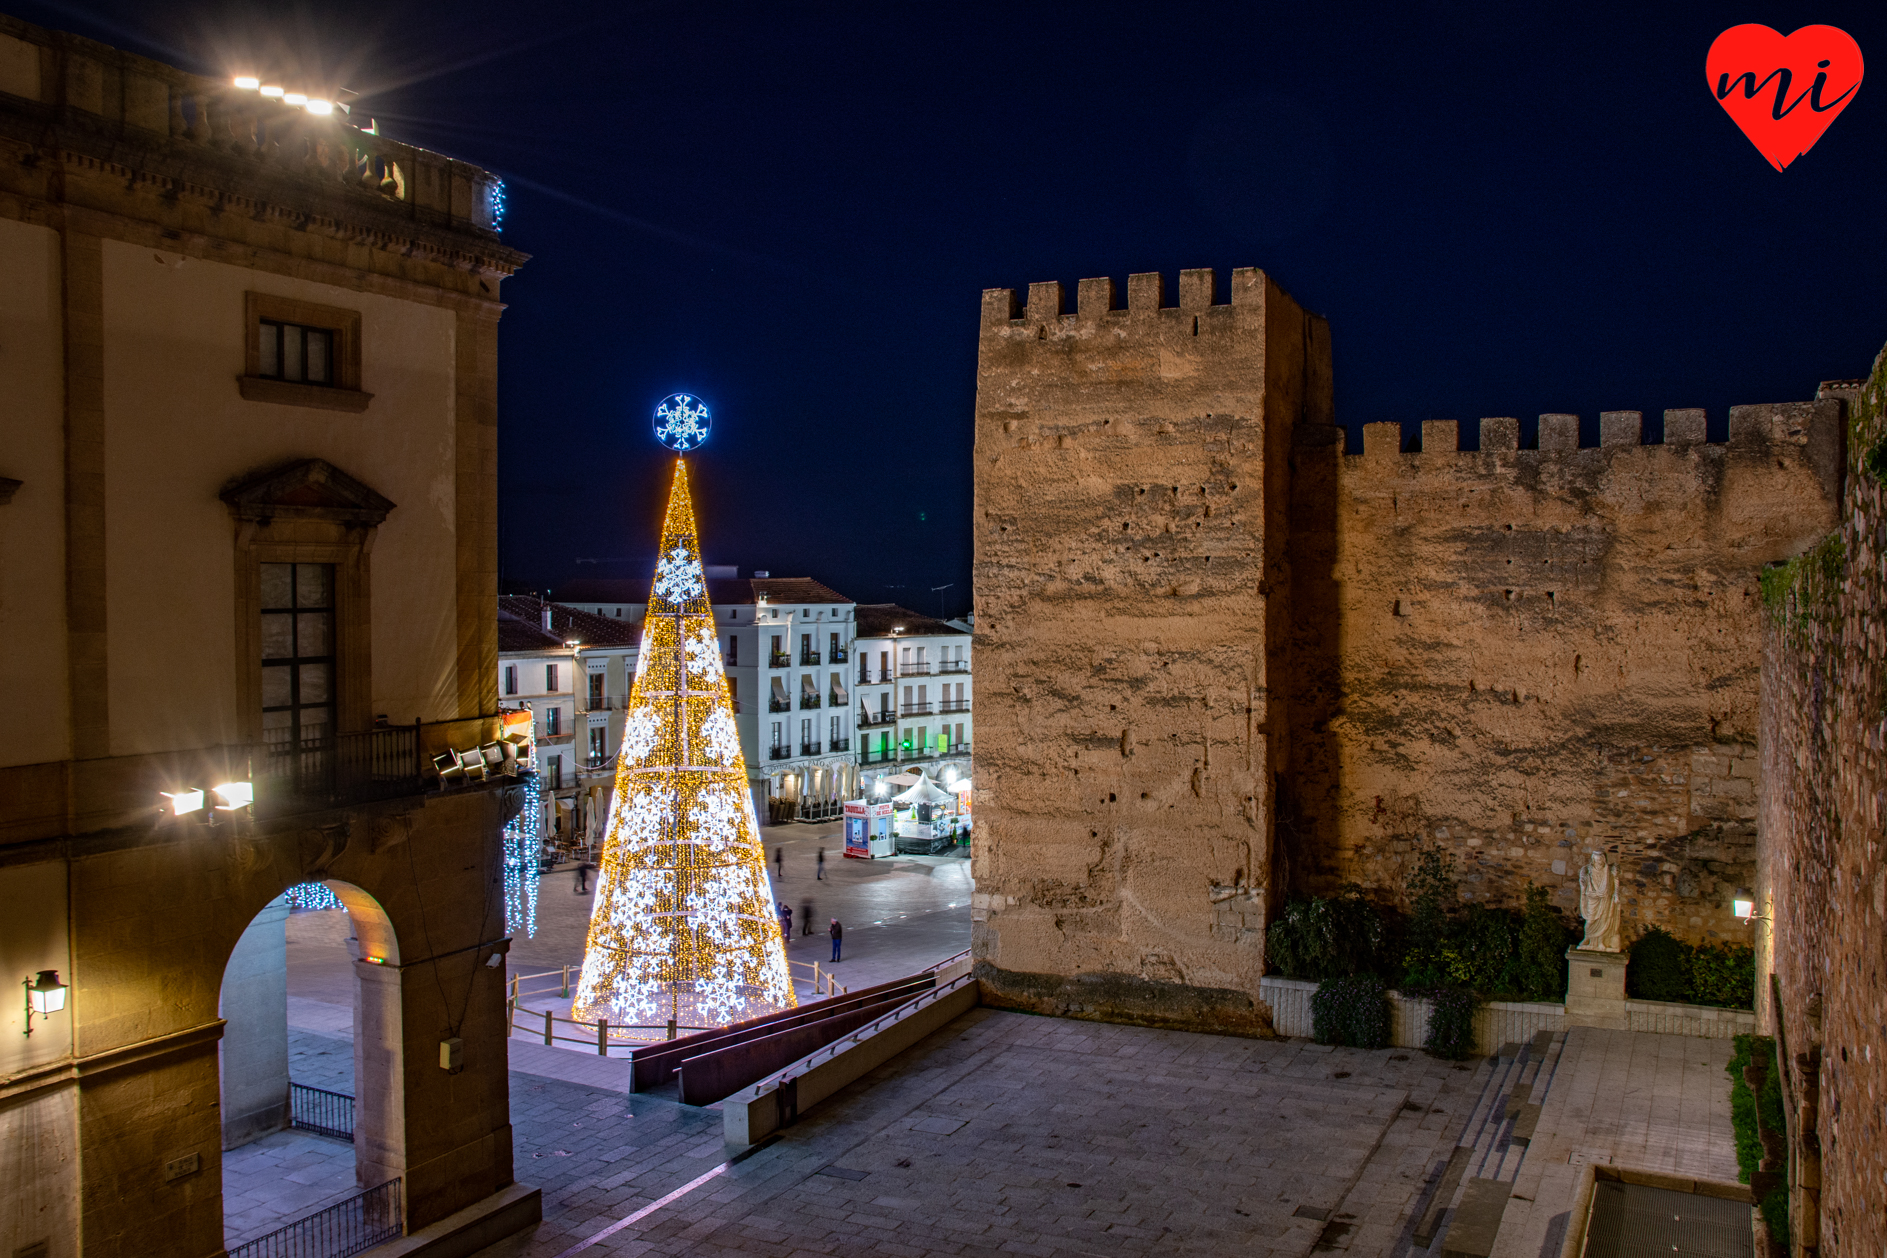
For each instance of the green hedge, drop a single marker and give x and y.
(1351, 1011)
(1743, 1122)
(1663, 967)
(1451, 1022)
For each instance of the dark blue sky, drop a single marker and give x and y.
(790, 210)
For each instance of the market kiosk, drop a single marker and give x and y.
(868, 828)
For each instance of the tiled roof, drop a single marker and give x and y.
(565, 623)
(518, 634)
(877, 620)
(793, 590)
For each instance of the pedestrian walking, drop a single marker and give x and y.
(779, 860)
(822, 864)
(786, 921)
(805, 918)
(837, 932)
(584, 870)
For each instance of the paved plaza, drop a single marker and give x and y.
(1008, 1133)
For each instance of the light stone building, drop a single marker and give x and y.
(247, 357)
(787, 645)
(914, 693)
(572, 670)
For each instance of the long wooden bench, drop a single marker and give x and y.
(653, 1065)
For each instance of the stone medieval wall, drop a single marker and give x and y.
(1132, 500)
(1520, 655)
(1822, 959)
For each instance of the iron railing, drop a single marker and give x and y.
(320, 1111)
(914, 670)
(336, 768)
(809, 749)
(779, 659)
(779, 753)
(808, 701)
(841, 744)
(779, 705)
(809, 657)
(954, 705)
(954, 666)
(838, 654)
(883, 716)
(915, 709)
(348, 1227)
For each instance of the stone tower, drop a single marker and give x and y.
(1132, 495)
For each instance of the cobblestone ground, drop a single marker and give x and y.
(1006, 1133)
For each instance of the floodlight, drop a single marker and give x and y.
(235, 795)
(248, 84)
(183, 803)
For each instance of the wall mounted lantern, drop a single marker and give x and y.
(46, 995)
(1743, 904)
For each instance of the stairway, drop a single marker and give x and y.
(1463, 1217)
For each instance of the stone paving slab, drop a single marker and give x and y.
(1007, 1133)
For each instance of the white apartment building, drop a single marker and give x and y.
(913, 683)
(572, 669)
(787, 646)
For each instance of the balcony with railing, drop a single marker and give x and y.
(838, 699)
(841, 744)
(839, 654)
(779, 659)
(777, 704)
(809, 749)
(808, 700)
(914, 709)
(954, 705)
(779, 753)
(913, 670)
(866, 717)
(954, 666)
(809, 657)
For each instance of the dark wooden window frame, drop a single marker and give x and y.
(343, 395)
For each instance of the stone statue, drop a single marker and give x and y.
(1598, 904)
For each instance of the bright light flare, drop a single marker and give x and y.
(183, 803)
(320, 106)
(272, 90)
(295, 98)
(235, 795)
(248, 84)
(1743, 908)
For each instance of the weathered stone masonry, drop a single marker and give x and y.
(1221, 661)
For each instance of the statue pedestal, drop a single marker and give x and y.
(1595, 989)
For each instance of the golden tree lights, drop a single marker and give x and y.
(684, 926)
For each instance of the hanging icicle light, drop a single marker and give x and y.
(521, 846)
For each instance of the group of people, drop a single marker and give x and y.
(833, 929)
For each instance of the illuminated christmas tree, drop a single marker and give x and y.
(684, 925)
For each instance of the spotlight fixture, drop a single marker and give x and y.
(1743, 904)
(235, 795)
(43, 997)
(271, 90)
(183, 803)
(247, 84)
(320, 106)
(295, 98)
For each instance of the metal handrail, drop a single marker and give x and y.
(323, 1112)
(597, 1033)
(347, 1227)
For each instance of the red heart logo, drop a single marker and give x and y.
(1782, 91)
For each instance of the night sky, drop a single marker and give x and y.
(791, 210)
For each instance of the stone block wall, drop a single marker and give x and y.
(1521, 655)
(1132, 509)
(1822, 958)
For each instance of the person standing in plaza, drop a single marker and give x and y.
(584, 870)
(821, 873)
(837, 932)
(786, 921)
(779, 861)
(805, 918)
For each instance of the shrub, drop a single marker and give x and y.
(1352, 1011)
(1723, 974)
(1540, 969)
(1327, 938)
(1744, 1124)
(1451, 1022)
(1659, 968)
(1484, 949)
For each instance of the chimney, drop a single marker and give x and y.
(547, 628)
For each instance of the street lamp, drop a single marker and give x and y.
(43, 997)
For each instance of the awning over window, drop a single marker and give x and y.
(808, 686)
(779, 688)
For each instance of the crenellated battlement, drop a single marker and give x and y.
(1097, 299)
(1813, 430)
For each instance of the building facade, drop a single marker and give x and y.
(572, 670)
(247, 563)
(787, 646)
(914, 693)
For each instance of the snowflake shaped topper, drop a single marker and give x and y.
(678, 577)
(681, 422)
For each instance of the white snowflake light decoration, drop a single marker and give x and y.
(678, 576)
(681, 422)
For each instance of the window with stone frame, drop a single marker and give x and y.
(300, 353)
(298, 656)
